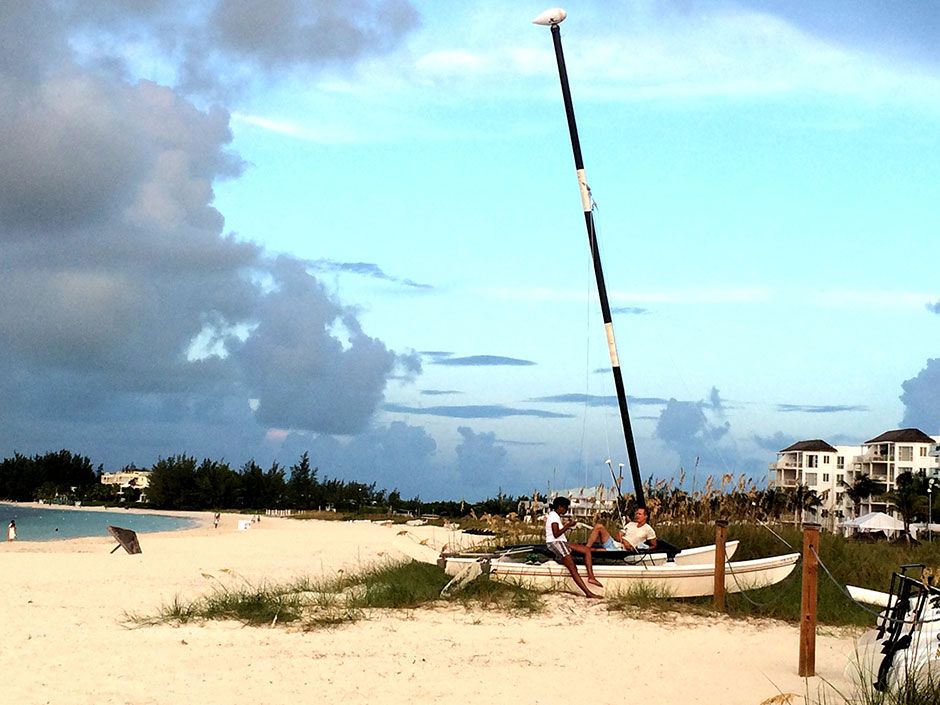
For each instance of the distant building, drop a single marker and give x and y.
(586, 502)
(892, 453)
(128, 479)
(829, 470)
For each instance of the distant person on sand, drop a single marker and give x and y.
(11, 530)
(558, 544)
(216, 519)
(635, 534)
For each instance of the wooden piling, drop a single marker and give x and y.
(808, 603)
(721, 535)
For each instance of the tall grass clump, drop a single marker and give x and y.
(340, 600)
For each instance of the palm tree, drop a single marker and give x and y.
(863, 488)
(908, 497)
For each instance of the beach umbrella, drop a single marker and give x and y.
(126, 539)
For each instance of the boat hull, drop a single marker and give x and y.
(664, 580)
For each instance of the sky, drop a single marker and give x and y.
(247, 229)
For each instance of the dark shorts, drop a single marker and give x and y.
(561, 549)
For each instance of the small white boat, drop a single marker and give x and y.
(902, 650)
(663, 579)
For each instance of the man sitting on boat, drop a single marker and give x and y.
(636, 534)
(558, 544)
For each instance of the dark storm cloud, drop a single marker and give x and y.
(821, 408)
(214, 44)
(129, 321)
(482, 411)
(481, 361)
(394, 456)
(284, 33)
(366, 269)
(920, 395)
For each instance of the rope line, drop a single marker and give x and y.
(742, 591)
(767, 526)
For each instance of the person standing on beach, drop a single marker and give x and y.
(635, 534)
(216, 519)
(11, 530)
(558, 544)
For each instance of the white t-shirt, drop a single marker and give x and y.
(554, 518)
(636, 534)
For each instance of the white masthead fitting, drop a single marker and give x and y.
(549, 18)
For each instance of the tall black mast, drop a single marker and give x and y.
(553, 18)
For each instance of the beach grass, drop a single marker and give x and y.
(343, 599)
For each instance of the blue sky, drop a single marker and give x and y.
(245, 230)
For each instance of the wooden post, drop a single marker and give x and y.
(721, 534)
(808, 603)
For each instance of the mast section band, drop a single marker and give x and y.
(612, 345)
(586, 202)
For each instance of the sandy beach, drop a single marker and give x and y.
(65, 638)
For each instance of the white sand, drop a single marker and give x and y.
(64, 639)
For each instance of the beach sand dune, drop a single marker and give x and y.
(66, 640)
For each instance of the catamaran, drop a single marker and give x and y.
(687, 573)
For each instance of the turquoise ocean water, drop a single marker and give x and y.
(55, 524)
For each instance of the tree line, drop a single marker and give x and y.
(183, 482)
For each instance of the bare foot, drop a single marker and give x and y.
(592, 596)
(595, 581)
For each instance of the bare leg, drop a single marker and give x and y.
(588, 562)
(568, 562)
(599, 534)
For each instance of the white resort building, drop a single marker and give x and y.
(125, 479)
(829, 470)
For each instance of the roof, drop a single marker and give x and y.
(816, 444)
(902, 435)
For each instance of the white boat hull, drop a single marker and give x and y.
(666, 580)
(688, 556)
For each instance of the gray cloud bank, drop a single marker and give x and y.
(128, 317)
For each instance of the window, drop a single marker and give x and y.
(825, 477)
(825, 460)
(812, 461)
(840, 462)
(923, 451)
(905, 453)
(810, 478)
(840, 480)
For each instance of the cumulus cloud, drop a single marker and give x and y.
(934, 307)
(481, 460)
(920, 399)
(686, 430)
(128, 316)
(394, 456)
